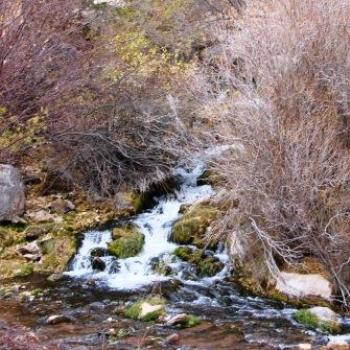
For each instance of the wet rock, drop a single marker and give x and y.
(305, 347)
(61, 206)
(206, 265)
(56, 319)
(304, 285)
(12, 197)
(30, 248)
(98, 252)
(160, 266)
(172, 339)
(97, 306)
(98, 264)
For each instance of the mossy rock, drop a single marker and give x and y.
(149, 309)
(57, 251)
(192, 227)
(128, 242)
(206, 266)
(310, 320)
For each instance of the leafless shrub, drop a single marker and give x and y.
(101, 132)
(284, 76)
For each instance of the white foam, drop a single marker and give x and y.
(156, 226)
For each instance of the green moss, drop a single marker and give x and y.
(128, 243)
(309, 320)
(192, 321)
(133, 311)
(192, 227)
(206, 266)
(184, 253)
(209, 267)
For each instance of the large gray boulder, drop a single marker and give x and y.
(12, 198)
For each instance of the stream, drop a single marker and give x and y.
(231, 318)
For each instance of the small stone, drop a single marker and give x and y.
(97, 306)
(172, 339)
(56, 319)
(177, 319)
(32, 257)
(30, 248)
(305, 347)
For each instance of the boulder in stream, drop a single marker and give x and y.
(128, 242)
(12, 197)
(98, 264)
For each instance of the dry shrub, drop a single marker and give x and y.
(107, 117)
(284, 74)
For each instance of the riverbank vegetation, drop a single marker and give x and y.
(284, 96)
(104, 99)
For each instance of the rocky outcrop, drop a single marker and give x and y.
(12, 198)
(304, 285)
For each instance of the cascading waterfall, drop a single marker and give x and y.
(156, 225)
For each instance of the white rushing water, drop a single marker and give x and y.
(156, 225)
